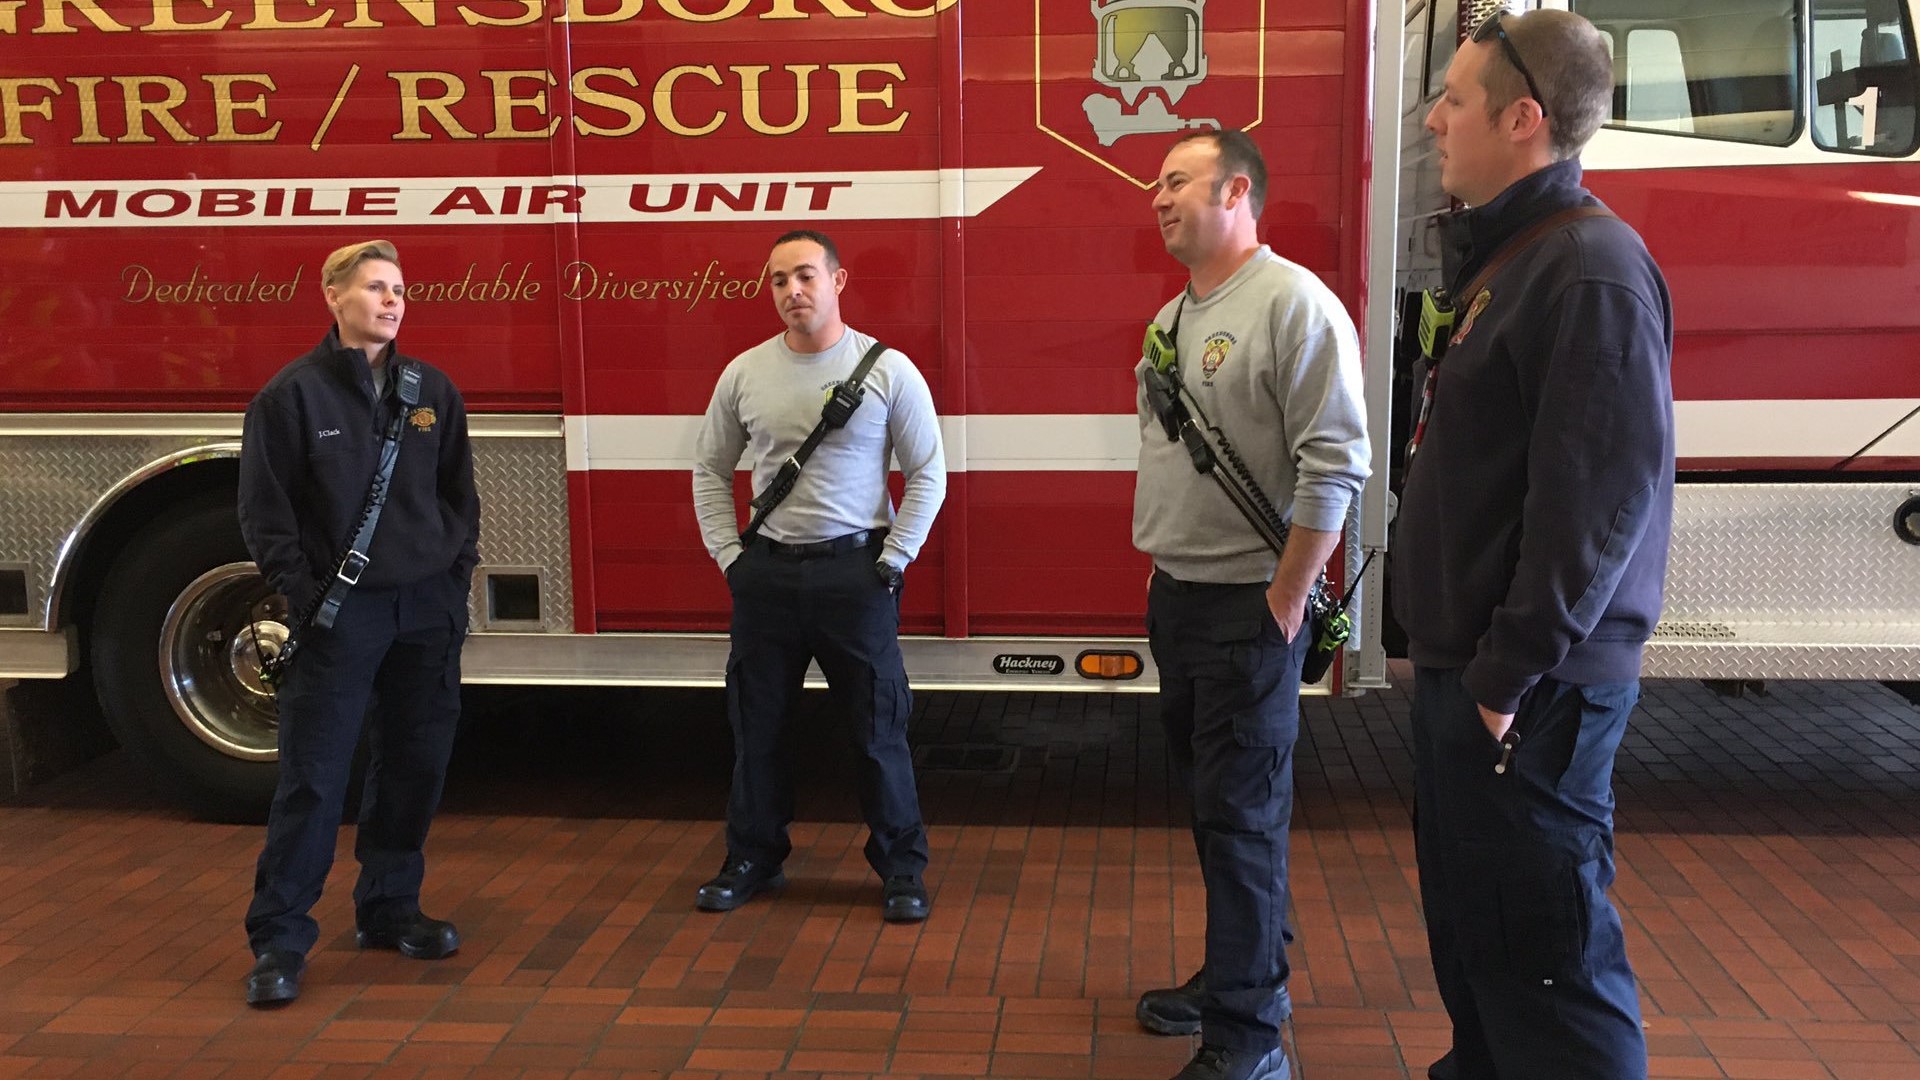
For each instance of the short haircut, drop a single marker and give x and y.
(1239, 156)
(339, 267)
(825, 242)
(1572, 67)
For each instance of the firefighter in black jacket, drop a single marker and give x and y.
(311, 452)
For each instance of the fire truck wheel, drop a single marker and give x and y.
(176, 659)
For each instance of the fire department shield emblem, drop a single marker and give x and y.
(1479, 305)
(422, 419)
(1215, 354)
(1154, 68)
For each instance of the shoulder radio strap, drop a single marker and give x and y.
(834, 415)
(1520, 242)
(1504, 254)
(1209, 448)
(354, 561)
(321, 610)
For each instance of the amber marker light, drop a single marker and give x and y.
(1113, 666)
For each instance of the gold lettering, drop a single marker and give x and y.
(413, 103)
(139, 110)
(678, 9)
(578, 279)
(790, 9)
(577, 12)
(851, 96)
(10, 15)
(895, 7)
(530, 11)
(53, 17)
(750, 97)
(505, 286)
(143, 285)
(420, 11)
(224, 106)
(84, 87)
(663, 99)
(12, 108)
(504, 103)
(165, 19)
(266, 18)
(586, 94)
(139, 281)
(581, 280)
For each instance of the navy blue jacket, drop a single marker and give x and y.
(311, 445)
(1533, 526)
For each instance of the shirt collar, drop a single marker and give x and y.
(352, 363)
(1471, 236)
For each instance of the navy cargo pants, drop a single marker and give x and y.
(1230, 702)
(793, 604)
(399, 647)
(1514, 868)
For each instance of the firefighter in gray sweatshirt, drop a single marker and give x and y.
(821, 580)
(1270, 358)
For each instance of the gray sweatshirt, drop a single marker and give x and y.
(768, 400)
(1274, 362)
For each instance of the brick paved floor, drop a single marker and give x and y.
(1770, 878)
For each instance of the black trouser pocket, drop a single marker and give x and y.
(1526, 913)
(892, 703)
(1241, 649)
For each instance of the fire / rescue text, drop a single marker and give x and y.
(612, 102)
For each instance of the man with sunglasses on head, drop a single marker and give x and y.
(1528, 561)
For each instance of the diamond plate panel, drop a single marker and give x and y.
(1791, 553)
(48, 482)
(523, 516)
(1732, 660)
(1789, 581)
(1478, 11)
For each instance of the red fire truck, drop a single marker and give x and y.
(584, 193)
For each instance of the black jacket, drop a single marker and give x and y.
(311, 445)
(1532, 532)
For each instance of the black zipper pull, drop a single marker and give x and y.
(1508, 744)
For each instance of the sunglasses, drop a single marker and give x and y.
(1491, 28)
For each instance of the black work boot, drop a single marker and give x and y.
(738, 882)
(275, 978)
(413, 934)
(903, 899)
(1220, 1063)
(1176, 1010)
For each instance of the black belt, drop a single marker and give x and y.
(821, 549)
(1174, 584)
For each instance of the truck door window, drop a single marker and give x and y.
(1656, 81)
(1863, 61)
(1719, 69)
(1442, 20)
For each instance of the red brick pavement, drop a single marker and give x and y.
(1770, 879)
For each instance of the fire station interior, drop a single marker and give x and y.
(1768, 842)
